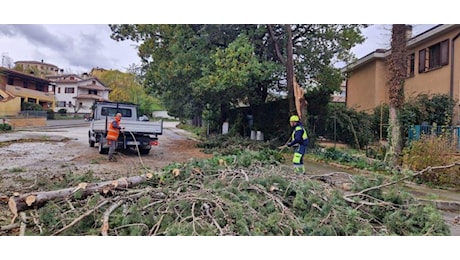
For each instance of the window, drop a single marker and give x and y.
(411, 67)
(25, 84)
(433, 57)
(59, 90)
(69, 90)
(61, 103)
(92, 91)
(112, 111)
(10, 81)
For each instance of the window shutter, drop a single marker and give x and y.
(445, 52)
(421, 61)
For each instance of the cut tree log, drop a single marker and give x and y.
(18, 203)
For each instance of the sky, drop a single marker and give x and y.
(76, 37)
(78, 48)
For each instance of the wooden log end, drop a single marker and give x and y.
(30, 200)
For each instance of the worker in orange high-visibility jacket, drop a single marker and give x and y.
(112, 135)
(299, 136)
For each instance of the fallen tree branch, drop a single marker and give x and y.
(22, 229)
(10, 227)
(18, 203)
(105, 217)
(362, 192)
(75, 221)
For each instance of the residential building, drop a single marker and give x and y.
(42, 68)
(17, 87)
(433, 68)
(77, 94)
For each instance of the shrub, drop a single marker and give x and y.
(27, 106)
(5, 127)
(349, 126)
(62, 111)
(431, 150)
(50, 114)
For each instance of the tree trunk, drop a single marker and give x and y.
(397, 72)
(300, 102)
(288, 62)
(290, 70)
(395, 138)
(33, 200)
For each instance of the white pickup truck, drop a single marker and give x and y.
(139, 135)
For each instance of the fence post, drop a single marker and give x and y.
(414, 133)
(458, 138)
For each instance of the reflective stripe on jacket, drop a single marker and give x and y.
(113, 131)
(297, 138)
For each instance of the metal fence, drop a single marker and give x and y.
(416, 131)
(32, 114)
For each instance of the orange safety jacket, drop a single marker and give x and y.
(114, 132)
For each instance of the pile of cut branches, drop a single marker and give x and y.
(233, 195)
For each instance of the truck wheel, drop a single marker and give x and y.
(103, 150)
(144, 151)
(91, 143)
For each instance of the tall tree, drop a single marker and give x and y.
(179, 58)
(126, 88)
(397, 72)
(314, 49)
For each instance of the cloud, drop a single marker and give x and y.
(36, 34)
(74, 47)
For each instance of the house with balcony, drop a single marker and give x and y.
(433, 68)
(76, 94)
(17, 88)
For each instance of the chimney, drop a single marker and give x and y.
(408, 31)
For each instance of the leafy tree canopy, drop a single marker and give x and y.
(125, 88)
(194, 67)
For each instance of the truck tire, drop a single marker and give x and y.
(103, 150)
(91, 142)
(144, 151)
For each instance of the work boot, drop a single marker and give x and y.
(299, 169)
(113, 159)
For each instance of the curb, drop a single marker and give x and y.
(444, 204)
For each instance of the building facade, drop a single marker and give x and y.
(17, 88)
(42, 68)
(76, 94)
(433, 68)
